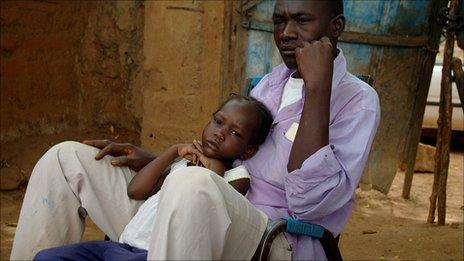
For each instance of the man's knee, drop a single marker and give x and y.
(70, 146)
(61, 155)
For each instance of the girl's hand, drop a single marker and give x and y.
(194, 153)
(188, 151)
(210, 163)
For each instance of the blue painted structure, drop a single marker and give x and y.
(391, 40)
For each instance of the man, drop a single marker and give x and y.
(308, 168)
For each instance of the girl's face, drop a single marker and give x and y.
(227, 135)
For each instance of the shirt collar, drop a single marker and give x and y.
(280, 75)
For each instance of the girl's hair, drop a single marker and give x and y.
(264, 117)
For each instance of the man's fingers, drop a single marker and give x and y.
(97, 143)
(108, 150)
(325, 39)
(120, 161)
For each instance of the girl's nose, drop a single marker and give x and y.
(218, 136)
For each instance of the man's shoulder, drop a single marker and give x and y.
(279, 74)
(355, 94)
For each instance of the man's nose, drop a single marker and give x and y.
(289, 31)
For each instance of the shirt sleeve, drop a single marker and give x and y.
(327, 179)
(239, 172)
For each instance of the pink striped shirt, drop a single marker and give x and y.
(322, 191)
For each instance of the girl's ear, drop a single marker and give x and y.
(249, 152)
(337, 25)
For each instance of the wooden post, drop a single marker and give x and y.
(428, 63)
(444, 130)
(459, 79)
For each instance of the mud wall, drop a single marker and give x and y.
(156, 67)
(183, 48)
(70, 64)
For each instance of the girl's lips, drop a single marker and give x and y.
(212, 145)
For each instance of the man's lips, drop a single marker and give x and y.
(288, 52)
(287, 49)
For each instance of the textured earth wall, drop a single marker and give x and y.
(183, 48)
(70, 64)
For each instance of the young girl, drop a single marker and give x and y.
(235, 131)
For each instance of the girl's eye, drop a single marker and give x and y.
(235, 133)
(217, 120)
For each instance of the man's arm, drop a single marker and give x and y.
(125, 154)
(326, 180)
(322, 178)
(315, 66)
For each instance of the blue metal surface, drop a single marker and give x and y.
(460, 35)
(380, 17)
(394, 17)
(397, 66)
(262, 54)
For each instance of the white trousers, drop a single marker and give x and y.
(200, 216)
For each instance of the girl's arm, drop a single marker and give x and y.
(241, 185)
(147, 180)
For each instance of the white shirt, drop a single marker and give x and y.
(293, 91)
(138, 232)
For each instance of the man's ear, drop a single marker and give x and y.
(249, 152)
(337, 25)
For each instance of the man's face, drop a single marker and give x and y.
(296, 22)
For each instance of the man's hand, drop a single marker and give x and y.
(125, 154)
(315, 63)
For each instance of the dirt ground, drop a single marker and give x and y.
(381, 226)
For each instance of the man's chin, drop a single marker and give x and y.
(291, 64)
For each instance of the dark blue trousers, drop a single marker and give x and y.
(93, 250)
